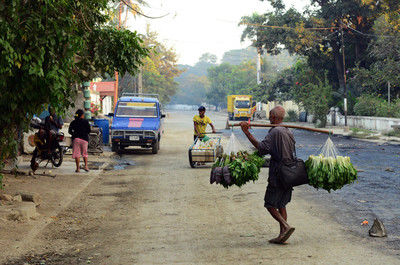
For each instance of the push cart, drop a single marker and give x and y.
(205, 151)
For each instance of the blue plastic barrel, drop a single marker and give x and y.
(105, 127)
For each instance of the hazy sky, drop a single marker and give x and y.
(194, 27)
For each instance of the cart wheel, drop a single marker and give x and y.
(192, 164)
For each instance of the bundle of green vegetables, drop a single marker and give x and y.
(330, 173)
(236, 169)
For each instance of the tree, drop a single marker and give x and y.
(238, 56)
(385, 52)
(192, 90)
(208, 58)
(44, 55)
(316, 33)
(160, 68)
(226, 79)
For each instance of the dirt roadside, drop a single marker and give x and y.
(163, 212)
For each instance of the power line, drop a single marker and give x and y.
(370, 35)
(284, 27)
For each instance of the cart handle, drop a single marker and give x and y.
(212, 133)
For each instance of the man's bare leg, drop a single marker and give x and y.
(284, 226)
(283, 213)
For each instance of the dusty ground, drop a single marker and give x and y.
(163, 212)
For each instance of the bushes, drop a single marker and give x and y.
(318, 99)
(292, 116)
(367, 105)
(371, 105)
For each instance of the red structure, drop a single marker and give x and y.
(104, 88)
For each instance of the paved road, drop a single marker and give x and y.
(377, 193)
(161, 211)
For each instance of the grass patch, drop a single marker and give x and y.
(360, 130)
(393, 133)
(363, 134)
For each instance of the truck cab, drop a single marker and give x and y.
(240, 107)
(137, 121)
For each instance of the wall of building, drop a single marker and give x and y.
(287, 105)
(70, 113)
(380, 124)
(370, 123)
(107, 105)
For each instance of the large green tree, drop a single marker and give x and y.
(316, 33)
(160, 68)
(385, 52)
(226, 79)
(47, 47)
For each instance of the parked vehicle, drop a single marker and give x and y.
(241, 107)
(41, 151)
(137, 121)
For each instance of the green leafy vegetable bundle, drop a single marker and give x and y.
(330, 173)
(236, 169)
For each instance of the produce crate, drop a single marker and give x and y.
(205, 152)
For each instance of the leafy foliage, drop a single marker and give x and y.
(302, 84)
(226, 79)
(295, 31)
(46, 48)
(193, 82)
(373, 105)
(292, 116)
(243, 167)
(208, 58)
(385, 52)
(160, 68)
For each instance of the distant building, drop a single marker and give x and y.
(102, 94)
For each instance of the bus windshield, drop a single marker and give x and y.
(242, 104)
(136, 109)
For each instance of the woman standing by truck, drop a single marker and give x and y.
(80, 129)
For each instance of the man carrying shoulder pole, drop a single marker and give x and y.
(280, 144)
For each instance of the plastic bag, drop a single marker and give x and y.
(233, 145)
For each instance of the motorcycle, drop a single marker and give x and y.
(41, 151)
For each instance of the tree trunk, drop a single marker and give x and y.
(338, 63)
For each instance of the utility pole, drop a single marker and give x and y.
(116, 73)
(259, 65)
(344, 78)
(389, 93)
(140, 80)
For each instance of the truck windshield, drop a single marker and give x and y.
(242, 104)
(136, 109)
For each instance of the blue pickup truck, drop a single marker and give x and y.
(137, 122)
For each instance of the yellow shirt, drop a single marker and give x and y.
(201, 123)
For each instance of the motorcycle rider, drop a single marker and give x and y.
(53, 124)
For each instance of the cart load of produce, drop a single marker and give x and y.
(236, 169)
(208, 143)
(328, 170)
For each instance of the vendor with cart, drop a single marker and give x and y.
(200, 123)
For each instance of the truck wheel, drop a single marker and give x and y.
(155, 146)
(114, 147)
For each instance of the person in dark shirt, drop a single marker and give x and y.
(280, 144)
(80, 129)
(53, 124)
